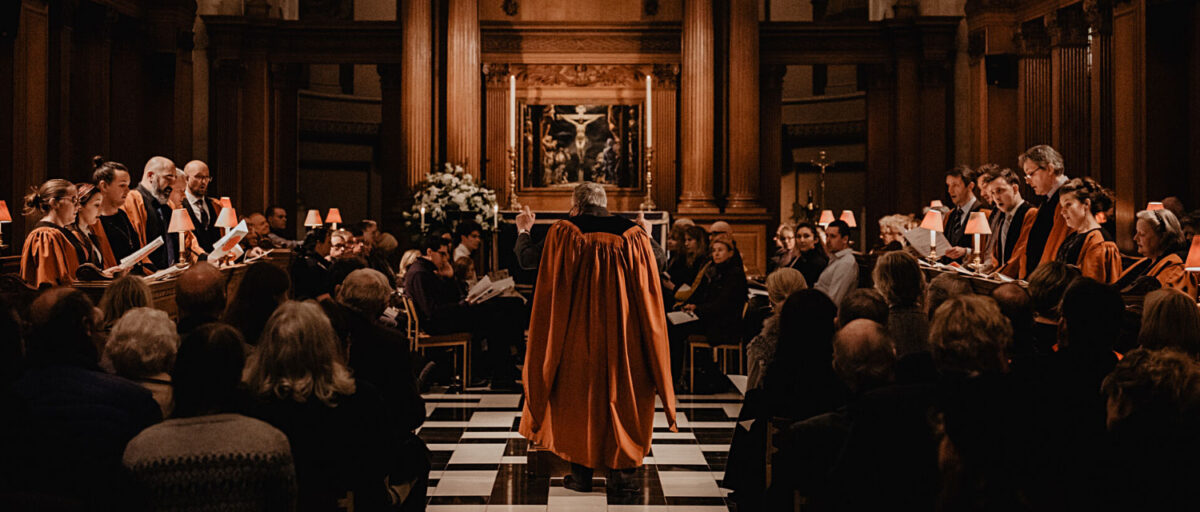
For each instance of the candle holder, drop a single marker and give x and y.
(648, 204)
(513, 203)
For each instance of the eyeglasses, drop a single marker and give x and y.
(202, 178)
(1029, 176)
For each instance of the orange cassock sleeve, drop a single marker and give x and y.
(48, 258)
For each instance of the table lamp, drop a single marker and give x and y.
(826, 218)
(1154, 205)
(932, 222)
(1193, 259)
(226, 219)
(977, 225)
(333, 217)
(180, 223)
(936, 203)
(225, 202)
(313, 219)
(848, 217)
(4, 217)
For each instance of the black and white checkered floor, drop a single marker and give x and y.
(480, 465)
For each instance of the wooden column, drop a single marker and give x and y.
(496, 119)
(463, 86)
(25, 165)
(743, 108)
(1129, 113)
(666, 158)
(1034, 88)
(1071, 101)
(415, 135)
(1099, 19)
(770, 126)
(882, 182)
(697, 129)
(284, 169)
(398, 175)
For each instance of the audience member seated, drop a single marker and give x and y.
(409, 257)
(798, 384)
(841, 275)
(1153, 416)
(891, 233)
(208, 457)
(863, 303)
(809, 256)
(943, 288)
(310, 266)
(336, 426)
(277, 229)
(464, 274)
(366, 233)
(443, 309)
(898, 277)
(12, 346)
(1170, 319)
(1046, 286)
(689, 267)
(69, 421)
(142, 348)
(718, 301)
(781, 284)
(123, 295)
(1160, 240)
(263, 288)
(1017, 306)
(380, 355)
(1088, 246)
(785, 245)
(343, 244)
(199, 296)
(48, 257)
(469, 239)
(720, 227)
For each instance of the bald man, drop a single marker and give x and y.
(149, 210)
(199, 296)
(720, 227)
(202, 209)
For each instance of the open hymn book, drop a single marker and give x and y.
(486, 289)
(129, 261)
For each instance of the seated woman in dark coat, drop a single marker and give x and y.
(810, 254)
(686, 269)
(717, 301)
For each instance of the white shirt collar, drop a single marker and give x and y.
(966, 208)
(1015, 207)
(842, 253)
(191, 198)
(1061, 180)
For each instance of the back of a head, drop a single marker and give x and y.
(1092, 313)
(314, 237)
(143, 343)
(208, 370)
(1047, 284)
(123, 295)
(862, 303)
(1017, 306)
(782, 283)
(263, 287)
(297, 357)
(969, 336)
(343, 267)
(720, 227)
(899, 279)
(200, 291)
(806, 326)
(407, 259)
(365, 290)
(589, 194)
(61, 323)
(864, 356)
(1170, 319)
(1158, 388)
(943, 288)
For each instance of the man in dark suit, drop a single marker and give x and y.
(202, 209)
(1043, 168)
(960, 184)
(1013, 220)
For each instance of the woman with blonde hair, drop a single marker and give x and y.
(335, 424)
(1170, 319)
(49, 257)
(123, 295)
(781, 284)
(899, 279)
(891, 233)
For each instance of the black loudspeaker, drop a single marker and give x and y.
(10, 18)
(1001, 70)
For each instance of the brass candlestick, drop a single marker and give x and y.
(513, 203)
(648, 204)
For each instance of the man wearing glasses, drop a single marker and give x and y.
(202, 209)
(1043, 168)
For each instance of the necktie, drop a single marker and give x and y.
(203, 212)
(952, 224)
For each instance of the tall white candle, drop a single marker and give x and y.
(512, 111)
(495, 217)
(649, 115)
(932, 240)
(422, 218)
(976, 243)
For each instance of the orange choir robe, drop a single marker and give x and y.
(1099, 259)
(598, 352)
(135, 209)
(1017, 266)
(48, 258)
(1059, 232)
(1169, 271)
(106, 254)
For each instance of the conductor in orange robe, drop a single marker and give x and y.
(597, 353)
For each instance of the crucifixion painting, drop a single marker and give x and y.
(566, 144)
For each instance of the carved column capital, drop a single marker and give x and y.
(666, 76)
(510, 7)
(1098, 15)
(495, 74)
(1066, 27)
(1031, 40)
(976, 45)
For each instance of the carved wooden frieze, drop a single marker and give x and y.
(565, 40)
(571, 75)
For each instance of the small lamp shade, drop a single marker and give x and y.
(826, 217)
(4, 215)
(848, 217)
(227, 218)
(936, 203)
(226, 203)
(1154, 205)
(313, 219)
(978, 224)
(334, 216)
(932, 221)
(1193, 261)
(180, 221)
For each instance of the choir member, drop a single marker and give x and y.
(1013, 222)
(116, 235)
(960, 184)
(149, 209)
(87, 246)
(1043, 168)
(202, 209)
(1160, 240)
(49, 257)
(1087, 247)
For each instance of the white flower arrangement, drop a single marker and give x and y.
(451, 194)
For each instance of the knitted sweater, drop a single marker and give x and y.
(215, 462)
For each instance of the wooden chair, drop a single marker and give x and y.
(419, 340)
(696, 341)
